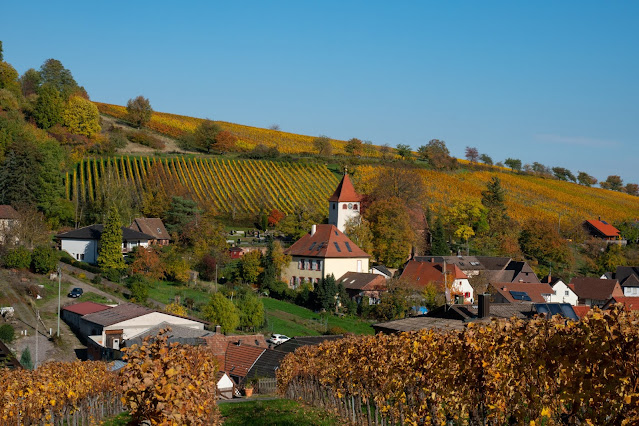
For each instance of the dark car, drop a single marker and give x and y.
(76, 292)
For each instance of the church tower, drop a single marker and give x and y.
(344, 204)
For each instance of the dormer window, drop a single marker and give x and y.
(159, 231)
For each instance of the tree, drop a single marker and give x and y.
(392, 233)
(562, 173)
(437, 154)
(110, 251)
(180, 213)
(274, 217)
(139, 286)
(513, 163)
(25, 359)
(359, 231)
(9, 78)
(52, 72)
(472, 154)
(613, 183)
(251, 310)
(484, 158)
(439, 246)
(176, 266)
(225, 141)
(465, 218)
(323, 145)
(203, 138)
(540, 169)
(31, 228)
(585, 179)
(81, 117)
(49, 107)
(324, 294)
(540, 240)
(250, 266)
(139, 111)
(402, 183)
(19, 174)
(298, 223)
(221, 311)
(385, 151)
(30, 82)
(176, 309)
(272, 263)
(17, 258)
(493, 198)
(147, 263)
(353, 146)
(1, 54)
(404, 151)
(612, 257)
(632, 189)
(7, 333)
(44, 259)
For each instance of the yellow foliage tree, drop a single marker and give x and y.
(176, 309)
(81, 117)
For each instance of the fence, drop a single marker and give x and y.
(267, 385)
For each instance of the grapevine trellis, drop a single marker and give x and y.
(244, 186)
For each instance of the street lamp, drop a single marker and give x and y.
(59, 285)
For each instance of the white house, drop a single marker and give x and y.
(324, 251)
(563, 294)
(83, 243)
(448, 278)
(344, 204)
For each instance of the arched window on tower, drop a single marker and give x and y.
(355, 206)
(344, 206)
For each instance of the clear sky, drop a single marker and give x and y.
(547, 81)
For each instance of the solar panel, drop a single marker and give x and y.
(604, 222)
(348, 246)
(520, 295)
(339, 250)
(551, 309)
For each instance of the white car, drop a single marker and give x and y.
(276, 339)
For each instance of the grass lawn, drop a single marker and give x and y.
(275, 412)
(292, 320)
(165, 292)
(90, 296)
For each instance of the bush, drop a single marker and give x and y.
(18, 258)
(335, 330)
(139, 287)
(146, 139)
(97, 279)
(7, 333)
(112, 275)
(44, 259)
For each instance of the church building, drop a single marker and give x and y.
(344, 204)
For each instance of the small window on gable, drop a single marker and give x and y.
(159, 231)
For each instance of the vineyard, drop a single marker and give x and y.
(228, 186)
(538, 372)
(176, 125)
(526, 196)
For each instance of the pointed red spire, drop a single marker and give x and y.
(345, 191)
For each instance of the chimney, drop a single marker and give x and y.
(313, 230)
(218, 329)
(483, 310)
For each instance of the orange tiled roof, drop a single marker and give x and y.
(345, 191)
(604, 228)
(327, 242)
(630, 303)
(581, 310)
(534, 290)
(240, 358)
(422, 273)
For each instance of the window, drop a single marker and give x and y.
(300, 264)
(292, 281)
(467, 295)
(313, 266)
(339, 250)
(348, 247)
(567, 293)
(333, 205)
(350, 206)
(81, 256)
(319, 265)
(355, 206)
(344, 206)
(359, 266)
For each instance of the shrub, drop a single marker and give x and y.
(44, 259)
(7, 333)
(335, 330)
(146, 139)
(18, 258)
(97, 279)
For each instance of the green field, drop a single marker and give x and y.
(275, 412)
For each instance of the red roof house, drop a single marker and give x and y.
(419, 274)
(514, 292)
(602, 229)
(595, 291)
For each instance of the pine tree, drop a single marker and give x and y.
(110, 252)
(49, 107)
(25, 359)
(493, 198)
(439, 246)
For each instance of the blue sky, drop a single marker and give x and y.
(553, 82)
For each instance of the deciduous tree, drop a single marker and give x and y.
(632, 189)
(323, 145)
(221, 311)
(81, 117)
(484, 158)
(404, 151)
(30, 82)
(139, 111)
(147, 262)
(353, 146)
(540, 240)
(110, 251)
(250, 266)
(513, 163)
(585, 179)
(612, 182)
(472, 154)
(437, 154)
(54, 73)
(251, 310)
(393, 235)
(49, 107)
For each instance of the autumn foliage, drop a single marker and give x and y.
(543, 371)
(170, 384)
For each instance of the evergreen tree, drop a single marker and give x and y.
(49, 106)
(180, 213)
(110, 252)
(55, 74)
(325, 293)
(19, 174)
(25, 359)
(493, 198)
(439, 246)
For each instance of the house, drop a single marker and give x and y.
(71, 314)
(7, 358)
(266, 365)
(344, 204)
(218, 342)
(628, 277)
(493, 269)
(581, 310)
(154, 227)
(291, 345)
(629, 303)
(236, 253)
(361, 285)
(381, 270)
(324, 251)
(526, 293)
(454, 282)
(8, 220)
(562, 292)
(176, 334)
(604, 231)
(105, 331)
(239, 359)
(595, 291)
(83, 243)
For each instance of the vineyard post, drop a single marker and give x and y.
(59, 285)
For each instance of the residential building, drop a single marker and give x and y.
(154, 227)
(8, 220)
(595, 291)
(629, 303)
(83, 243)
(324, 251)
(493, 269)
(525, 293)
(344, 204)
(361, 286)
(382, 270)
(453, 283)
(562, 291)
(628, 277)
(604, 231)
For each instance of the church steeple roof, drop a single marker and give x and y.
(345, 191)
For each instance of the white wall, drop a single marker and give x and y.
(338, 215)
(560, 295)
(84, 250)
(337, 267)
(631, 291)
(135, 326)
(463, 286)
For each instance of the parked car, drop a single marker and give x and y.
(276, 339)
(76, 292)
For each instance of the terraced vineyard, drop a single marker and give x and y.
(176, 125)
(240, 186)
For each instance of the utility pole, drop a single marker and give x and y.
(35, 364)
(59, 286)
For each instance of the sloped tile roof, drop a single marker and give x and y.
(345, 191)
(422, 273)
(327, 242)
(581, 310)
(296, 342)
(240, 358)
(86, 308)
(534, 290)
(267, 364)
(94, 232)
(151, 226)
(623, 273)
(8, 212)
(604, 228)
(594, 288)
(630, 303)
(362, 281)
